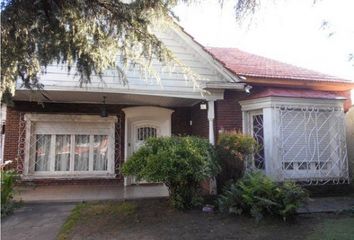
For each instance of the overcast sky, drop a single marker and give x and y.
(286, 30)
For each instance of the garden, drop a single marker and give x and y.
(249, 205)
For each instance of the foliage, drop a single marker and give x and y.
(85, 35)
(233, 149)
(8, 179)
(258, 195)
(182, 163)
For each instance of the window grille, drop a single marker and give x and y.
(146, 132)
(311, 144)
(61, 152)
(257, 130)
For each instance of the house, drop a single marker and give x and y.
(86, 133)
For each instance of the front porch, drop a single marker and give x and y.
(88, 192)
(79, 136)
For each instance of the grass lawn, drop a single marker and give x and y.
(154, 219)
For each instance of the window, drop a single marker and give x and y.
(76, 145)
(100, 147)
(62, 152)
(300, 139)
(43, 143)
(257, 132)
(255, 128)
(146, 132)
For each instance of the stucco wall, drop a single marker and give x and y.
(350, 138)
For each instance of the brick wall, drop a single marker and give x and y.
(228, 111)
(180, 123)
(228, 115)
(11, 134)
(200, 124)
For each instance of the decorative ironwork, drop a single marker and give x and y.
(257, 129)
(118, 160)
(312, 145)
(20, 156)
(146, 132)
(38, 157)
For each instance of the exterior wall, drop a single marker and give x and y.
(350, 139)
(181, 118)
(11, 135)
(228, 113)
(200, 124)
(173, 80)
(180, 126)
(348, 102)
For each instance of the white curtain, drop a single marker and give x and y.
(42, 152)
(100, 146)
(82, 152)
(62, 152)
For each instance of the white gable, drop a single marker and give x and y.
(172, 83)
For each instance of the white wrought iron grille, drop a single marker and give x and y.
(257, 129)
(311, 144)
(68, 154)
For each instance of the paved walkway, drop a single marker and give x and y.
(35, 222)
(78, 193)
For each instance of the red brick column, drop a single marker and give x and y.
(12, 132)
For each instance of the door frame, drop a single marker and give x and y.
(143, 114)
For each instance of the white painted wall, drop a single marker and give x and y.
(349, 118)
(188, 52)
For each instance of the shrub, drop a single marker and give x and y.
(258, 195)
(8, 178)
(233, 148)
(179, 162)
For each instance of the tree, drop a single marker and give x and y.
(84, 34)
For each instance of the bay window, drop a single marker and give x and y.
(301, 139)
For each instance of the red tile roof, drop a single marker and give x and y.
(247, 64)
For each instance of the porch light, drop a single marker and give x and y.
(248, 89)
(203, 105)
(104, 112)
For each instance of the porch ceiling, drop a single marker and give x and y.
(111, 98)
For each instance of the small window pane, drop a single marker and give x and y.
(82, 152)
(100, 147)
(42, 152)
(62, 152)
(146, 132)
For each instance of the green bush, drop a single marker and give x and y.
(8, 179)
(258, 195)
(233, 148)
(182, 163)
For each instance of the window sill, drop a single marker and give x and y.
(69, 176)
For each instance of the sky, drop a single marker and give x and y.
(285, 30)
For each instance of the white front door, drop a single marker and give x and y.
(142, 123)
(142, 132)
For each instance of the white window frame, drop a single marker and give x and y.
(249, 130)
(60, 124)
(268, 105)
